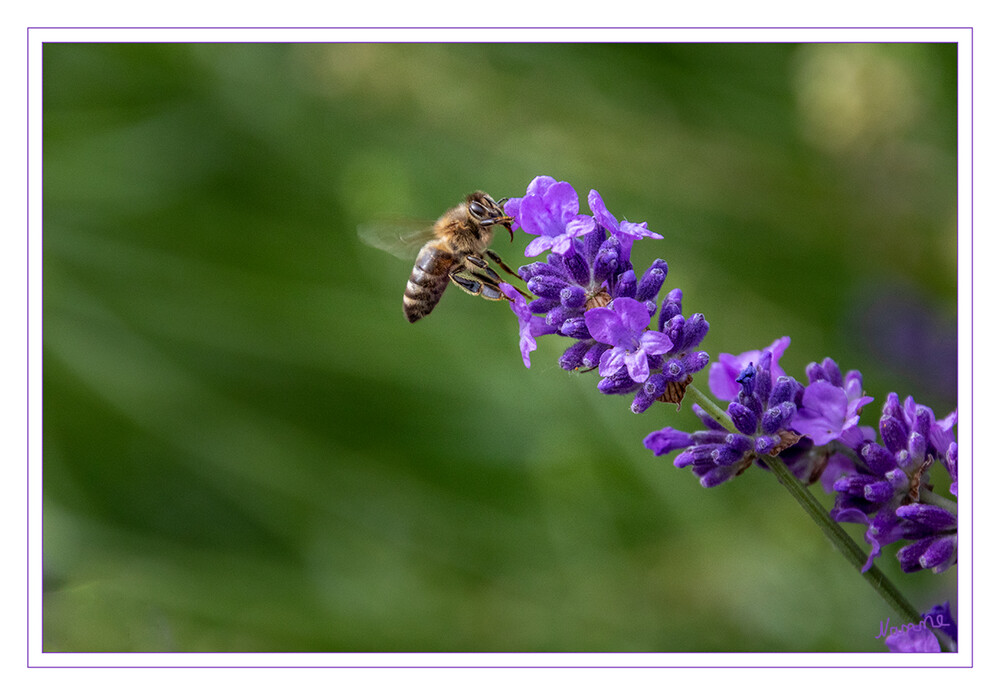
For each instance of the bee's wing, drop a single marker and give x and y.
(397, 238)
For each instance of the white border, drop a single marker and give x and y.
(498, 34)
(36, 37)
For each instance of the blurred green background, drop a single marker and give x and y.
(247, 447)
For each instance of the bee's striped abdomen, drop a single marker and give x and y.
(427, 282)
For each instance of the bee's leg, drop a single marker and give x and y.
(491, 284)
(499, 261)
(483, 266)
(478, 284)
(485, 272)
(466, 284)
(477, 261)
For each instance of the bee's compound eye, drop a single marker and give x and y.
(477, 209)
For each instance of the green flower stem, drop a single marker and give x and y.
(842, 541)
(717, 413)
(833, 531)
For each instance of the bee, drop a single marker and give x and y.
(455, 249)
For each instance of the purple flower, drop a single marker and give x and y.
(593, 272)
(951, 464)
(910, 416)
(626, 232)
(714, 454)
(686, 334)
(761, 414)
(888, 487)
(550, 210)
(722, 374)
(666, 440)
(936, 529)
(918, 637)
(623, 326)
(827, 411)
(587, 270)
(913, 639)
(529, 326)
(940, 618)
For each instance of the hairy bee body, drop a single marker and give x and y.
(428, 280)
(455, 254)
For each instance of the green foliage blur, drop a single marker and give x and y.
(247, 447)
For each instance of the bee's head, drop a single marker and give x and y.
(486, 211)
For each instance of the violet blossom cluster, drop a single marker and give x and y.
(587, 290)
(760, 411)
(816, 431)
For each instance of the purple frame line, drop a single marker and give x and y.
(547, 666)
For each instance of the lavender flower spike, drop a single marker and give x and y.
(887, 489)
(761, 413)
(586, 289)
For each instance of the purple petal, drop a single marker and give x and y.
(540, 184)
(605, 325)
(913, 640)
(537, 218)
(837, 466)
(634, 316)
(855, 405)
(638, 365)
(655, 343)
(942, 435)
(538, 246)
(637, 230)
(722, 374)
(600, 211)
(666, 440)
(561, 244)
(821, 417)
(929, 515)
(513, 208)
(722, 377)
(580, 225)
(562, 201)
(611, 361)
(528, 326)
